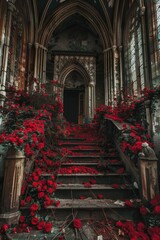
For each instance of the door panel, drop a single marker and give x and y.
(71, 105)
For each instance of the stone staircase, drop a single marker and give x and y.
(98, 192)
(92, 185)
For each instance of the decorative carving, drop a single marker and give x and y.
(62, 61)
(147, 151)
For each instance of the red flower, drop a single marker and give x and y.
(119, 224)
(100, 196)
(34, 207)
(34, 221)
(4, 228)
(57, 203)
(41, 195)
(156, 209)
(22, 219)
(40, 225)
(128, 203)
(28, 199)
(77, 223)
(143, 210)
(22, 203)
(48, 227)
(115, 185)
(82, 197)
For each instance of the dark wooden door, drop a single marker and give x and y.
(71, 105)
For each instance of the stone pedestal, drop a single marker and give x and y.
(148, 178)
(13, 177)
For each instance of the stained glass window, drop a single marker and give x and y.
(154, 38)
(134, 69)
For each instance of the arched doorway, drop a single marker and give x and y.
(73, 97)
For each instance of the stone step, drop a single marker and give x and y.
(90, 158)
(89, 209)
(72, 139)
(93, 164)
(70, 144)
(75, 191)
(110, 178)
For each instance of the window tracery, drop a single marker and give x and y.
(134, 66)
(154, 39)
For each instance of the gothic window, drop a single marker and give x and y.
(154, 38)
(134, 69)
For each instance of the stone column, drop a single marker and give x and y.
(144, 45)
(92, 99)
(121, 71)
(36, 60)
(115, 70)
(10, 10)
(29, 73)
(148, 177)
(13, 177)
(44, 65)
(106, 77)
(147, 105)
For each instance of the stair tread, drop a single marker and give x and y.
(70, 186)
(87, 203)
(90, 164)
(96, 175)
(87, 174)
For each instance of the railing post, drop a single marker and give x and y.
(13, 177)
(148, 174)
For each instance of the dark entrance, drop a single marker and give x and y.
(71, 103)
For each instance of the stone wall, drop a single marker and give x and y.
(156, 128)
(77, 39)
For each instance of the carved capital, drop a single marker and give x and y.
(142, 10)
(120, 48)
(36, 45)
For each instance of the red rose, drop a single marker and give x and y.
(77, 223)
(119, 224)
(34, 207)
(157, 209)
(115, 185)
(40, 195)
(143, 210)
(22, 203)
(22, 219)
(48, 227)
(4, 228)
(40, 225)
(34, 221)
(128, 203)
(57, 203)
(100, 196)
(28, 199)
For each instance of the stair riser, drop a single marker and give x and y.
(98, 214)
(121, 194)
(90, 158)
(99, 179)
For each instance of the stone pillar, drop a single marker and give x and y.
(144, 45)
(106, 77)
(92, 99)
(115, 71)
(36, 60)
(44, 65)
(148, 177)
(13, 177)
(29, 73)
(147, 105)
(10, 9)
(121, 71)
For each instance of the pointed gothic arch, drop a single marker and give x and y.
(85, 10)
